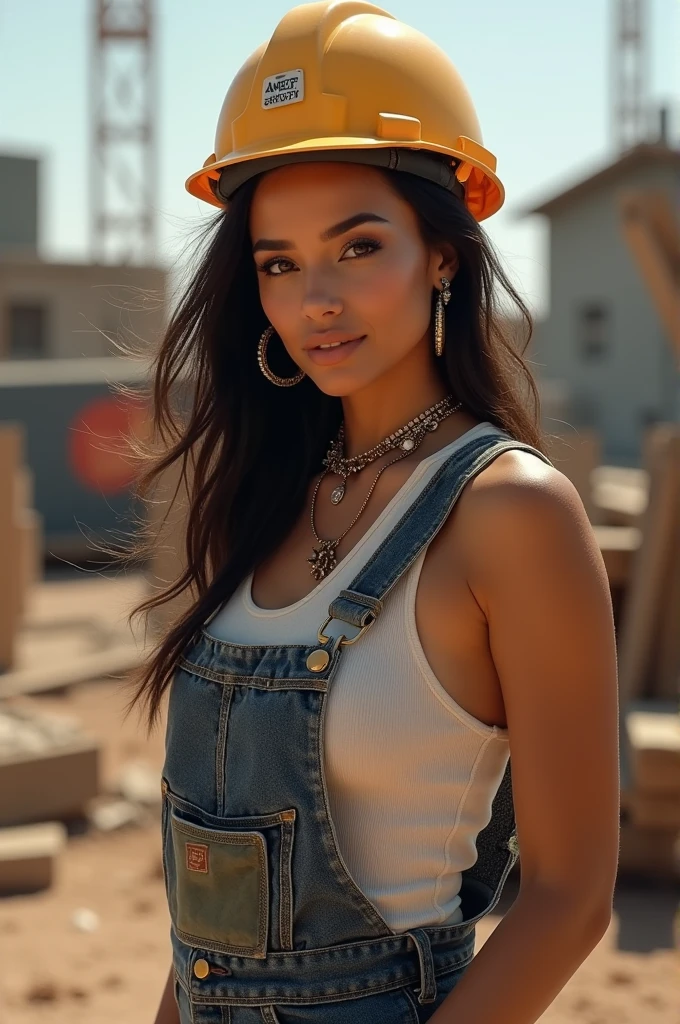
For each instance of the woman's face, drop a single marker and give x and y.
(340, 259)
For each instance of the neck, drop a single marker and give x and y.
(389, 402)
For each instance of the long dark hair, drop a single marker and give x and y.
(245, 450)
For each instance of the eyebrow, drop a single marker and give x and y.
(325, 236)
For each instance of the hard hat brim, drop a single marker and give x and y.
(486, 203)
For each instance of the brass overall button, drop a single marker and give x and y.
(201, 968)
(318, 660)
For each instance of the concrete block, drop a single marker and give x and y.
(28, 856)
(654, 738)
(48, 768)
(649, 852)
(654, 810)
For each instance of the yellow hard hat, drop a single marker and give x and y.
(343, 79)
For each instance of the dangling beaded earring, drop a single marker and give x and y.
(442, 300)
(282, 382)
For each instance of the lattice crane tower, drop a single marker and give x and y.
(630, 73)
(123, 164)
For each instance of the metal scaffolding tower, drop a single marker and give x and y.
(630, 74)
(123, 165)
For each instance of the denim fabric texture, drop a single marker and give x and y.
(267, 923)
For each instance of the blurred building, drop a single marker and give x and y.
(604, 344)
(64, 310)
(75, 426)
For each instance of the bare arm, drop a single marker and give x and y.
(537, 574)
(168, 1011)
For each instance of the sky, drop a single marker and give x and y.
(538, 72)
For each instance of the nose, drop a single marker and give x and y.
(319, 303)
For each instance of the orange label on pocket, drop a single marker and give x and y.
(197, 857)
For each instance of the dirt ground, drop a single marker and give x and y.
(52, 972)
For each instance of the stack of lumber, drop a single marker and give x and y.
(49, 771)
(20, 538)
(650, 791)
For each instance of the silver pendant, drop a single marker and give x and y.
(338, 493)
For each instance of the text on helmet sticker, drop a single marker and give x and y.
(284, 88)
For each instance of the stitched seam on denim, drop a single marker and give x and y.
(221, 746)
(248, 647)
(485, 458)
(246, 820)
(218, 947)
(421, 500)
(302, 998)
(456, 824)
(413, 1008)
(427, 975)
(361, 901)
(260, 682)
(286, 885)
(336, 993)
(255, 840)
(165, 813)
(424, 538)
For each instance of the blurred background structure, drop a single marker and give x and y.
(606, 354)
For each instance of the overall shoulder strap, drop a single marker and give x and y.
(361, 603)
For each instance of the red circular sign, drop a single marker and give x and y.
(98, 442)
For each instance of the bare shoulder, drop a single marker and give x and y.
(523, 517)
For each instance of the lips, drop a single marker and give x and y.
(333, 350)
(330, 339)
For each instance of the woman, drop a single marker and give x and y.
(392, 584)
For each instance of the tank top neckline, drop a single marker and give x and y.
(408, 484)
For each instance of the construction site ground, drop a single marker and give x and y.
(95, 948)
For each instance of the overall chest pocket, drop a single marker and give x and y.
(228, 880)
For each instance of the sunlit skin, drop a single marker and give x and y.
(375, 281)
(512, 608)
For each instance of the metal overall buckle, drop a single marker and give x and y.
(342, 639)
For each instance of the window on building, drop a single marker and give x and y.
(27, 331)
(593, 330)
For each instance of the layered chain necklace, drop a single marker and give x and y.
(407, 439)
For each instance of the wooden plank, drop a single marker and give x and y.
(648, 852)
(653, 810)
(11, 450)
(28, 855)
(577, 454)
(653, 734)
(55, 784)
(666, 675)
(618, 545)
(638, 628)
(114, 661)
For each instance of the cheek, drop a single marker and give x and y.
(280, 301)
(396, 297)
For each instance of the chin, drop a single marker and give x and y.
(341, 383)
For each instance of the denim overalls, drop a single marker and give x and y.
(267, 923)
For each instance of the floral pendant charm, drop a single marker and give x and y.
(338, 493)
(323, 560)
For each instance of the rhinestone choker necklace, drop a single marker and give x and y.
(407, 438)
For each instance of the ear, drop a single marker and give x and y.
(445, 263)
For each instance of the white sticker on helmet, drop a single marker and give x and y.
(282, 89)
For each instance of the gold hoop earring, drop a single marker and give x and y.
(282, 382)
(442, 300)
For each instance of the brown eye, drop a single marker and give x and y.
(367, 245)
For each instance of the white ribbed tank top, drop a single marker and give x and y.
(411, 775)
